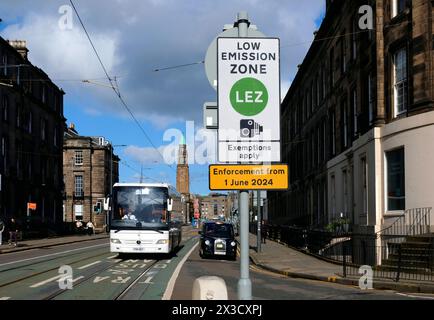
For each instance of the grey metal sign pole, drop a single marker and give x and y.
(244, 284)
(258, 203)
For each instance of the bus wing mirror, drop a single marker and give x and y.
(169, 204)
(106, 204)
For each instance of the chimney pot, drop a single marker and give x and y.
(20, 46)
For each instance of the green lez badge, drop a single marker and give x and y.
(249, 96)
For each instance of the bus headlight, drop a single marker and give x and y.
(115, 241)
(207, 243)
(163, 241)
(233, 243)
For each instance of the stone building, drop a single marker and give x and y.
(31, 130)
(358, 119)
(215, 205)
(90, 169)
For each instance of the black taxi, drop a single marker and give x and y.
(217, 239)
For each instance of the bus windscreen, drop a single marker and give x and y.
(140, 208)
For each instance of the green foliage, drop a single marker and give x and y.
(337, 224)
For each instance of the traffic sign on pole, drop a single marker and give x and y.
(211, 53)
(248, 100)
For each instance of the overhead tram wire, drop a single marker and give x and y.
(115, 87)
(202, 62)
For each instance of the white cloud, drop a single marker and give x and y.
(149, 155)
(133, 38)
(64, 53)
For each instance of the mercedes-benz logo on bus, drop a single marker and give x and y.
(138, 242)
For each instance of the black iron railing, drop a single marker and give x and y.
(402, 251)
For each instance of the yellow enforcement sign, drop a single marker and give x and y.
(248, 177)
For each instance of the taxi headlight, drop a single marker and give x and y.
(163, 241)
(207, 242)
(116, 241)
(233, 243)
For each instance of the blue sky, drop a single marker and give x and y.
(134, 38)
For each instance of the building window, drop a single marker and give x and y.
(354, 40)
(318, 145)
(19, 150)
(332, 68)
(19, 111)
(400, 81)
(43, 94)
(308, 105)
(5, 108)
(43, 130)
(313, 105)
(30, 123)
(344, 124)
(354, 103)
(78, 183)
(345, 187)
(371, 97)
(78, 158)
(318, 90)
(29, 168)
(78, 211)
(333, 194)
(324, 149)
(55, 137)
(398, 6)
(395, 180)
(5, 64)
(4, 151)
(364, 180)
(333, 133)
(324, 89)
(312, 150)
(343, 55)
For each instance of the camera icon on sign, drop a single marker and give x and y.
(249, 128)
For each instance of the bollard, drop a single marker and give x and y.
(209, 288)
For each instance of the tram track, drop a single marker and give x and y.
(82, 280)
(44, 271)
(128, 289)
(58, 255)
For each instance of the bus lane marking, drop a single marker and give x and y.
(89, 265)
(46, 281)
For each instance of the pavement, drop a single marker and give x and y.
(287, 261)
(48, 242)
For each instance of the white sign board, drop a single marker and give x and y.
(248, 100)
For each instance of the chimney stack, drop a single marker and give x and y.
(20, 46)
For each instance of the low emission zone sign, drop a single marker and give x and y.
(248, 99)
(248, 177)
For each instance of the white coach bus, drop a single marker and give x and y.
(140, 220)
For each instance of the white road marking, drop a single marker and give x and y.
(412, 296)
(5, 298)
(46, 281)
(53, 254)
(171, 285)
(88, 265)
(78, 278)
